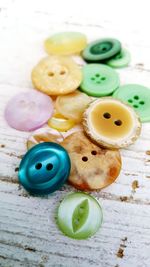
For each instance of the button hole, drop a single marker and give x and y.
(84, 159)
(98, 82)
(135, 106)
(107, 115)
(51, 74)
(97, 75)
(38, 166)
(62, 72)
(94, 152)
(49, 166)
(141, 102)
(103, 78)
(118, 122)
(130, 100)
(136, 97)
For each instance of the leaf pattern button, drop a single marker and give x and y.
(76, 213)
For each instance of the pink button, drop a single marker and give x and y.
(29, 110)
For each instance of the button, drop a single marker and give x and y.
(101, 49)
(56, 75)
(99, 80)
(138, 97)
(111, 123)
(120, 60)
(44, 135)
(60, 123)
(93, 167)
(65, 43)
(73, 105)
(79, 216)
(44, 168)
(28, 111)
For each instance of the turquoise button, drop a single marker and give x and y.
(44, 168)
(79, 216)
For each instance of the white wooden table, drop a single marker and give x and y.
(28, 233)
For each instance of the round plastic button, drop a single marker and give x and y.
(28, 111)
(60, 123)
(44, 135)
(92, 167)
(99, 80)
(65, 43)
(138, 97)
(111, 123)
(44, 168)
(120, 60)
(79, 216)
(101, 49)
(73, 105)
(56, 75)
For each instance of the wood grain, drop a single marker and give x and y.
(28, 231)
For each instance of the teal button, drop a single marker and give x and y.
(101, 49)
(99, 80)
(44, 168)
(120, 60)
(79, 216)
(138, 97)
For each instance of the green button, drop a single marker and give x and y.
(138, 97)
(79, 215)
(99, 80)
(101, 49)
(120, 60)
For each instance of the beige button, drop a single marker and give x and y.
(56, 75)
(72, 105)
(44, 135)
(92, 167)
(111, 123)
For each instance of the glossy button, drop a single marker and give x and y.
(44, 168)
(101, 49)
(56, 75)
(111, 123)
(79, 216)
(99, 80)
(60, 123)
(72, 105)
(136, 96)
(44, 135)
(92, 167)
(29, 110)
(65, 43)
(120, 60)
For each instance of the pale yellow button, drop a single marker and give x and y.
(111, 123)
(65, 43)
(60, 123)
(73, 105)
(56, 75)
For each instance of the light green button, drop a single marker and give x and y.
(99, 80)
(120, 60)
(138, 97)
(79, 215)
(101, 49)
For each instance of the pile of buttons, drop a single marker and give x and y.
(80, 117)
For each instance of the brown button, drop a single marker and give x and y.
(111, 123)
(92, 167)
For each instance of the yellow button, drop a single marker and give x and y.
(56, 75)
(73, 105)
(60, 123)
(111, 123)
(44, 135)
(65, 43)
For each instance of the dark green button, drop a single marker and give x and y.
(120, 60)
(99, 80)
(138, 97)
(79, 216)
(101, 49)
